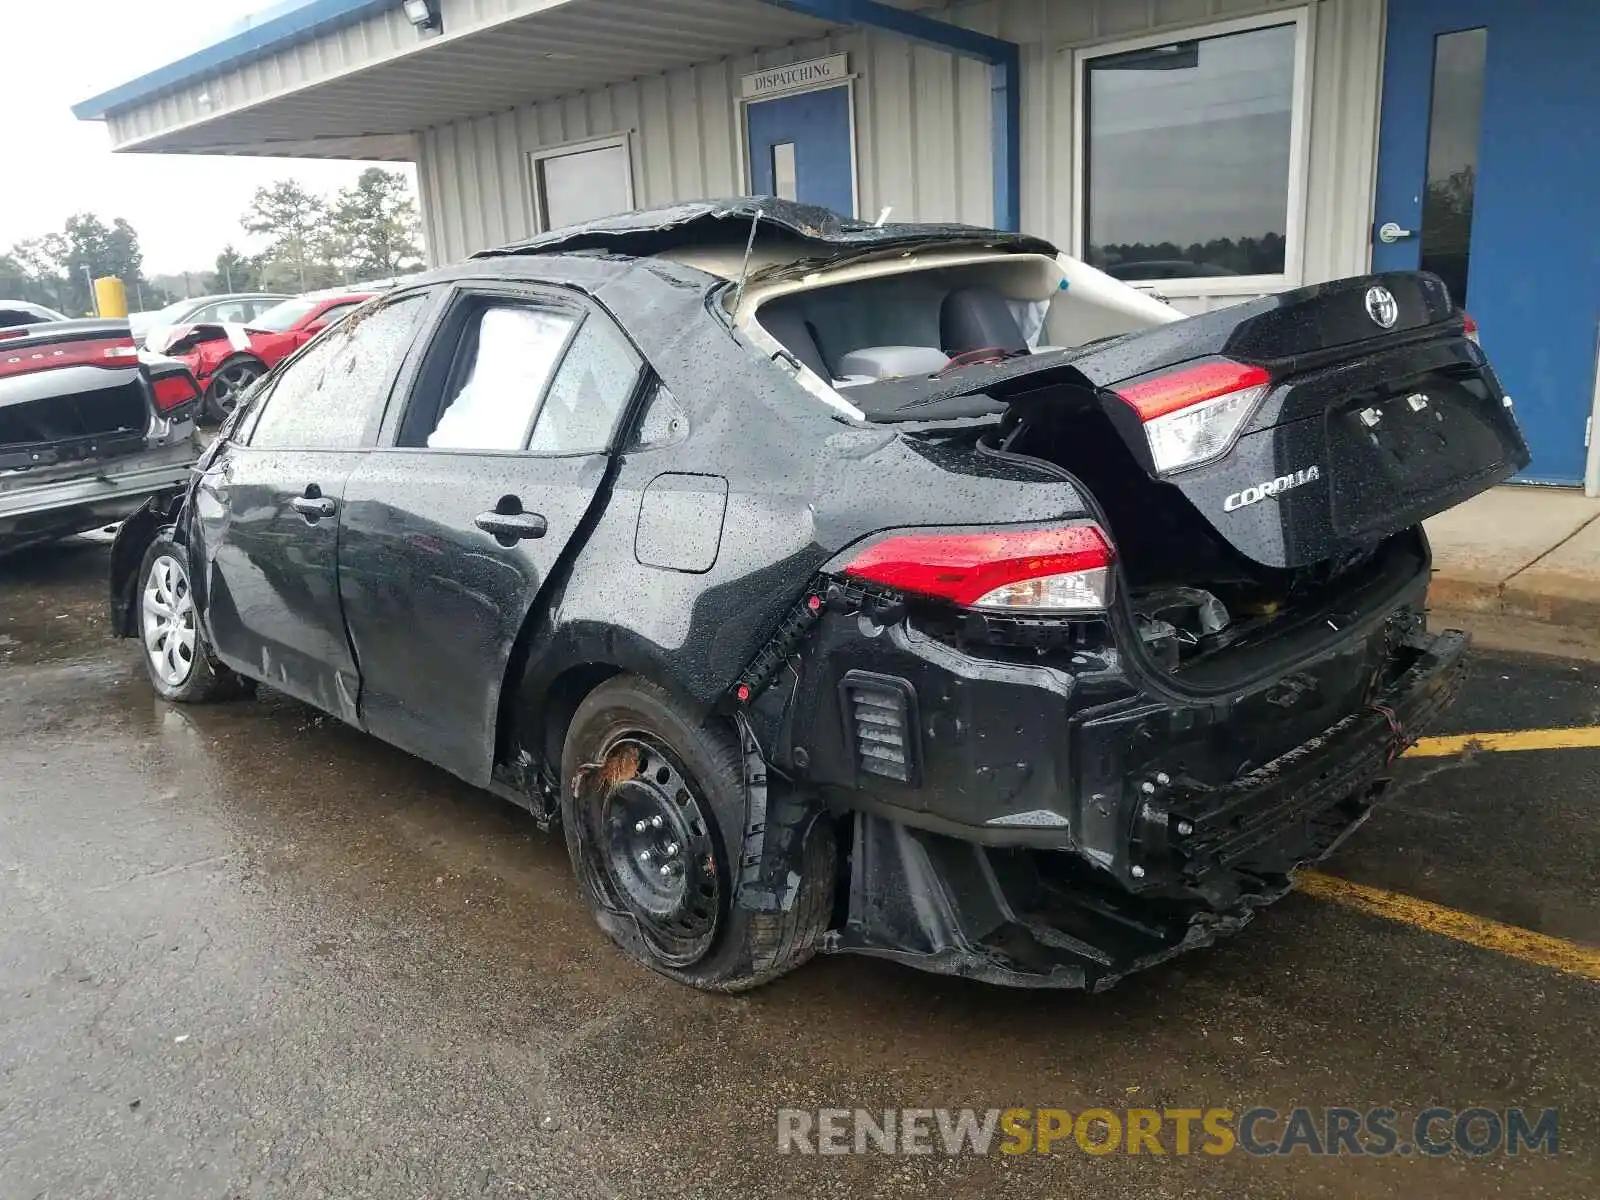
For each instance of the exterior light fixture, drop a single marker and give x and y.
(424, 14)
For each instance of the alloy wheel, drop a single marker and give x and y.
(231, 383)
(168, 620)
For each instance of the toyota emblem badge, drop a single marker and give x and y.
(1381, 307)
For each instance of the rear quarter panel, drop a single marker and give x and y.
(797, 494)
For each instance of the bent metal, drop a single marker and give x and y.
(1259, 492)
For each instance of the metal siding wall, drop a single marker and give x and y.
(922, 126)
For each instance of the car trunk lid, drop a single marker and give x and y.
(1369, 409)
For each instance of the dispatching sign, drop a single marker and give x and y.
(833, 69)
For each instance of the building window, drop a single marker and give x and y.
(1191, 156)
(580, 183)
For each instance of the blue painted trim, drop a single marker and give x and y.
(1004, 58)
(1006, 135)
(258, 34)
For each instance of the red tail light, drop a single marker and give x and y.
(1192, 415)
(174, 391)
(1152, 398)
(1469, 327)
(1061, 569)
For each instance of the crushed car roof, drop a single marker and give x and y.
(819, 232)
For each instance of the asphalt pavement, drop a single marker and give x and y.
(246, 951)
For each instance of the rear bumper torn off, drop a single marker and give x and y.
(1044, 918)
(94, 493)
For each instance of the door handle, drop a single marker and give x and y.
(314, 508)
(510, 528)
(1390, 232)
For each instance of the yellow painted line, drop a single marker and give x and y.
(1516, 739)
(1571, 958)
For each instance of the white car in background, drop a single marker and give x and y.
(237, 308)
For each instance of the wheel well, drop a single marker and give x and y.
(548, 715)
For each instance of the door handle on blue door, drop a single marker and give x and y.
(510, 528)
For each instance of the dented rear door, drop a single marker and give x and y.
(458, 526)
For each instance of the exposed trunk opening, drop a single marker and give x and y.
(106, 412)
(1204, 612)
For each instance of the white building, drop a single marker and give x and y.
(1216, 148)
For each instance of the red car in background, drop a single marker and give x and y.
(227, 359)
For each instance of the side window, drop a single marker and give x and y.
(256, 307)
(207, 313)
(589, 392)
(506, 357)
(324, 399)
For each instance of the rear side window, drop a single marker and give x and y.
(325, 398)
(589, 393)
(507, 355)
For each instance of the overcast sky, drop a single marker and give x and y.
(59, 52)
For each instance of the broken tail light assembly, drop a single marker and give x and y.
(1192, 416)
(175, 394)
(1065, 569)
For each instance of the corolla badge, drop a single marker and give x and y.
(1271, 487)
(1382, 307)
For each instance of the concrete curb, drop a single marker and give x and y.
(1548, 597)
(1520, 565)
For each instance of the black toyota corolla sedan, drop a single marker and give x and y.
(905, 590)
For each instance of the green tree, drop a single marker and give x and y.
(293, 221)
(374, 230)
(236, 272)
(43, 262)
(93, 250)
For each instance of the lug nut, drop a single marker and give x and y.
(1137, 872)
(1147, 788)
(1185, 829)
(640, 827)
(644, 856)
(655, 821)
(1163, 778)
(671, 850)
(666, 869)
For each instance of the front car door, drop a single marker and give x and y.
(266, 519)
(454, 525)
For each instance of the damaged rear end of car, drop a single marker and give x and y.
(90, 427)
(1070, 749)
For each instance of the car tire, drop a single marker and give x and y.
(637, 757)
(228, 383)
(177, 655)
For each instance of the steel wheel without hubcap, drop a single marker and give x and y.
(167, 620)
(656, 850)
(229, 384)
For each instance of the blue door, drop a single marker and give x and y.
(1489, 175)
(800, 149)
